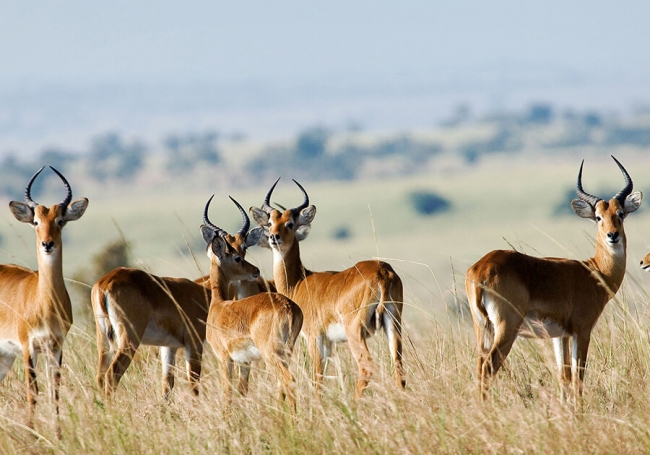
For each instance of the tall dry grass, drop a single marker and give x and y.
(437, 413)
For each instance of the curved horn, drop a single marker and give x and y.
(589, 198)
(266, 206)
(64, 203)
(296, 211)
(28, 190)
(627, 190)
(247, 223)
(207, 221)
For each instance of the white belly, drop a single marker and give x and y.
(246, 353)
(336, 333)
(156, 336)
(533, 327)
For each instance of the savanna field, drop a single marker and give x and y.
(500, 201)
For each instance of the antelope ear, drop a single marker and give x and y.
(254, 236)
(208, 233)
(583, 209)
(259, 216)
(75, 209)
(219, 247)
(302, 232)
(23, 212)
(632, 202)
(263, 241)
(306, 216)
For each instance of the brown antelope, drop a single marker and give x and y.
(338, 306)
(263, 326)
(133, 307)
(35, 309)
(512, 294)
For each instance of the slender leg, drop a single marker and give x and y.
(579, 363)
(105, 353)
(244, 373)
(361, 355)
(193, 360)
(563, 359)
(118, 366)
(225, 368)
(392, 320)
(168, 360)
(54, 358)
(29, 356)
(325, 350)
(316, 362)
(504, 337)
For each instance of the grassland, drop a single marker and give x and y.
(501, 201)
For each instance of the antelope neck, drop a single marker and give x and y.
(609, 264)
(288, 270)
(220, 284)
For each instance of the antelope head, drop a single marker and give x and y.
(48, 222)
(229, 251)
(608, 216)
(283, 228)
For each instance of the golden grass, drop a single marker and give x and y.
(438, 412)
(502, 201)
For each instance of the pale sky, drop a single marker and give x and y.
(265, 67)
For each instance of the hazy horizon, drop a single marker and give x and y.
(267, 70)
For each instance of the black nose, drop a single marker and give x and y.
(48, 246)
(613, 236)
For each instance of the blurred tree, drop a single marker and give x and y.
(15, 175)
(540, 114)
(428, 203)
(110, 157)
(185, 152)
(311, 142)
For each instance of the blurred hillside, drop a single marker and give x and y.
(431, 201)
(209, 159)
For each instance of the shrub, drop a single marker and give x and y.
(428, 203)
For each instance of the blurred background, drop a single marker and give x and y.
(425, 132)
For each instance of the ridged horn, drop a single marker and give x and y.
(266, 205)
(247, 223)
(209, 223)
(64, 203)
(627, 190)
(296, 211)
(589, 198)
(28, 190)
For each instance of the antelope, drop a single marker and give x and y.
(133, 307)
(512, 294)
(350, 305)
(263, 326)
(35, 309)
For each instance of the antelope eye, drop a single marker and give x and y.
(598, 218)
(290, 224)
(237, 259)
(35, 222)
